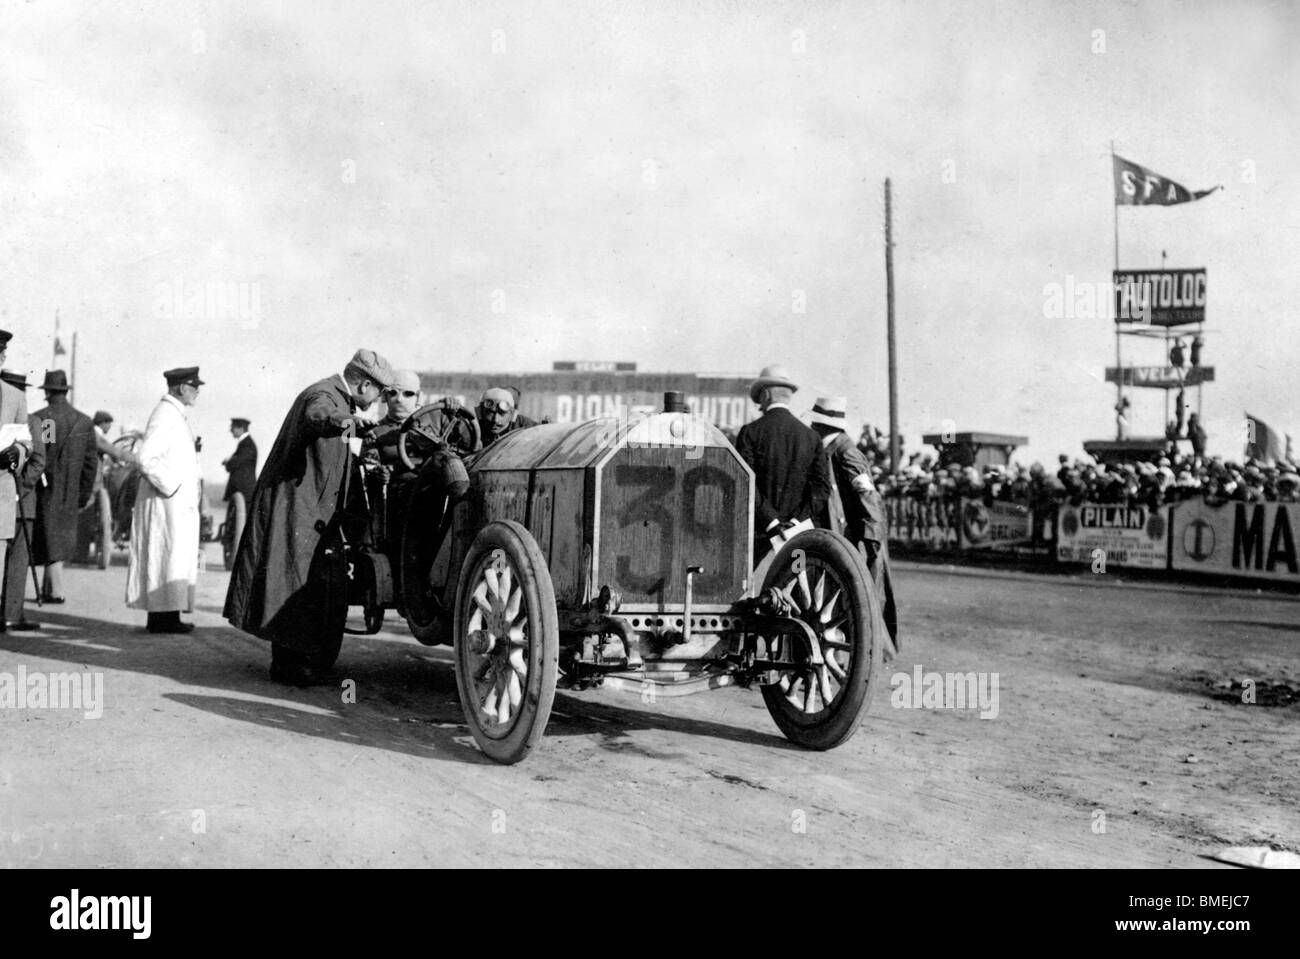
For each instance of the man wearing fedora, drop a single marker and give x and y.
(289, 584)
(18, 558)
(791, 477)
(855, 506)
(71, 462)
(164, 562)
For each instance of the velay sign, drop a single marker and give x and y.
(1160, 297)
(1126, 535)
(1237, 539)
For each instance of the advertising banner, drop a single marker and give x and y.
(1237, 539)
(1126, 535)
(1002, 524)
(1160, 377)
(1160, 297)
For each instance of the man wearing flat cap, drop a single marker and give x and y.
(71, 463)
(242, 463)
(164, 564)
(289, 583)
(855, 507)
(791, 475)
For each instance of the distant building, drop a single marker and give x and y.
(974, 449)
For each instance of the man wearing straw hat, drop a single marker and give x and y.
(855, 506)
(791, 478)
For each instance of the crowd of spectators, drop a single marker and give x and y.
(926, 494)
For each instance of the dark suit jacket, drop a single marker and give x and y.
(242, 467)
(791, 475)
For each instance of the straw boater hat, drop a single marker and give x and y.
(774, 375)
(830, 411)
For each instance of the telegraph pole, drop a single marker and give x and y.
(894, 451)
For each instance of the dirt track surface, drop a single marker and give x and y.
(1112, 697)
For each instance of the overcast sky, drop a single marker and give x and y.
(488, 185)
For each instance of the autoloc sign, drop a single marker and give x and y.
(1160, 297)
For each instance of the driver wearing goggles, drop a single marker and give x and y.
(498, 414)
(402, 399)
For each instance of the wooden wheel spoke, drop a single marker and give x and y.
(513, 604)
(836, 669)
(819, 591)
(828, 611)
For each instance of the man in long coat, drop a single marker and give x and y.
(242, 463)
(855, 507)
(18, 559)
(288, 585)
(164, 562)
(791, 479)
(71, 462)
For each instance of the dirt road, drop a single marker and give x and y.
(1118, 741)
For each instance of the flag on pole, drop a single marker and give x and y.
(1135, 185)
(1262, 442)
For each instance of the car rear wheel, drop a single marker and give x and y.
(824, 580)
(507, 641)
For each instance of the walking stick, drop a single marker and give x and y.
(27, 536)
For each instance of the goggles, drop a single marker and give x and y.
(496, 406)
(409, 394)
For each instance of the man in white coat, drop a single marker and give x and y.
(164, 562)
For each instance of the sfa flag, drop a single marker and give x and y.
(1262, 442)
(1137, 186)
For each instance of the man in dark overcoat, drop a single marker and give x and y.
(791, 477)
(71, 464)
(242, 463)
(287, 585)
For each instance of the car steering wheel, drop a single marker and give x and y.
(436, 426)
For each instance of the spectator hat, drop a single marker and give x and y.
(239, 421)
(14, 379)
(830, 411)
(56, 381)
(101, 417)
(774, 375)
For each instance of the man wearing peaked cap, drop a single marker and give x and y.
(242, 463)
(71, 463)
(791, 476)
(164, 562)
(289, 583)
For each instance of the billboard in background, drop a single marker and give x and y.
(1129, 535)
(1160, 297)
(1237, 539)
(1160, 377)
(572, 396)
(1001, 524)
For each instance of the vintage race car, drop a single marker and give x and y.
(614, 552)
